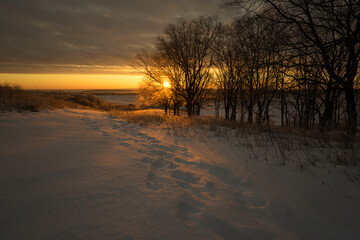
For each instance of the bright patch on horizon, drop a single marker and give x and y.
(72, 81)
(166, 84)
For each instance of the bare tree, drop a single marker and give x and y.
(187, 47)
(153, 88)
(332, 29)
(228, 63)
(260, 44)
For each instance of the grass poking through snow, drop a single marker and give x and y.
(275, 145)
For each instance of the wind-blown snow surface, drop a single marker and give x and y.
(77, 174)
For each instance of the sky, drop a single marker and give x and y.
(72, 44)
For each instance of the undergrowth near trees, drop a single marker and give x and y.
(275, 145)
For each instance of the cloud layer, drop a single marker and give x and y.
(67, 35)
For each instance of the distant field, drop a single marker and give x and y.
(116, 96)
(119, 96)
(112, 91)
(121, 99)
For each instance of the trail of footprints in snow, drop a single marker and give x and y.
(164, 161)
(94, 126)
(164, 164)
(196, 188)
(164, 168)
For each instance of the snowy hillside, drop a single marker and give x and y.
(80, 174)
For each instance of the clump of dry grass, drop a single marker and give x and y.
(144, 118)
(14, 98)
(93, 102)
(178, 125)
(88, 100)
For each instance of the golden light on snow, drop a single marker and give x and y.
(166, 84)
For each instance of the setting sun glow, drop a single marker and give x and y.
(166, 84)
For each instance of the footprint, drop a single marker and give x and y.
(185, 176)
(187, 206)
(124, 144)
(256, 202)
(124, 139)
(178, 148)
(172, 165)
(153, 181)
(162, 147)
(189, 187)
(226, 175)
(160, 163)
(240, 198)
(151, 139)
(147, 160)
(210, 189)
(158, 153)
(180, 160)
(184, 209)
(259, 212)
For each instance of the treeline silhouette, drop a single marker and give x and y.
(297, 60)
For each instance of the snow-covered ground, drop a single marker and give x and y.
(80, 174)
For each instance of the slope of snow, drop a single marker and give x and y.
(78, 174)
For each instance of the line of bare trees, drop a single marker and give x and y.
(184, 58)
(299, 58)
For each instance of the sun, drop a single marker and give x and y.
(166, 84)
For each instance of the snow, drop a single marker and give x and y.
(81, 174)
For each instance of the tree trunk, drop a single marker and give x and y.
(189, 108)
(250, 114)
(351, 111)
(233, 113)
(325, 118)
(227, 112)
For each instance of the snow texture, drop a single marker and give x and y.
(80, 174)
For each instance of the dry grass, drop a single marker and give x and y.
(14, 98)
(270, 143)
(93, 102)
(144, 118)
(157, 117)
(87, 100)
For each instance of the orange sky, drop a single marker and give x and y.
(72, 81)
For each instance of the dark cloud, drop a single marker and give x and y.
(41, 35)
